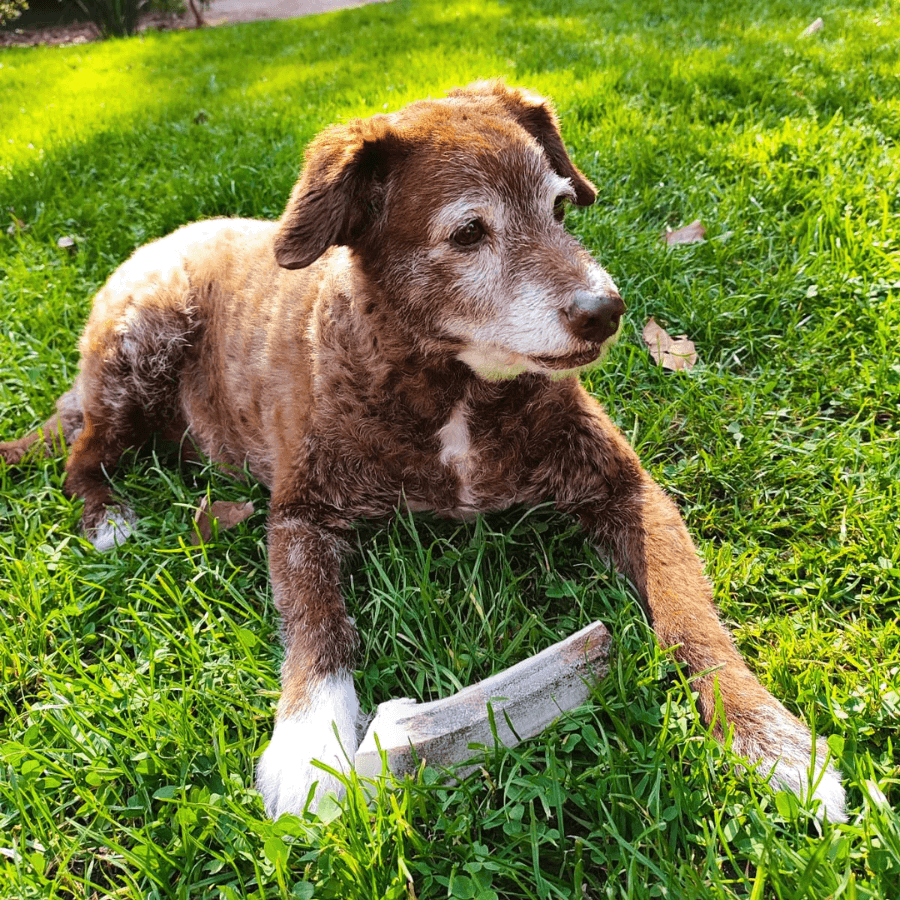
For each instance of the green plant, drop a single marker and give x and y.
(11, 9)
(114, 18)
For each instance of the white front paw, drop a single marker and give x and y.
(324, 730)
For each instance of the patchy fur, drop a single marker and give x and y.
(406, 333)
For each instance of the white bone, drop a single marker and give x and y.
(525, 699)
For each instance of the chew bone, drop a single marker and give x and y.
(525, 699)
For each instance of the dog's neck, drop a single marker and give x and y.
(430, 384)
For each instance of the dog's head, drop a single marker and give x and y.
(454, 209)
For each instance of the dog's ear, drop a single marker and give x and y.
(338, 191)
(536, 115)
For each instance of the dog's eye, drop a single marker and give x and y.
(469, 234)
(560, 204)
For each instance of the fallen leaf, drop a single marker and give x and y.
(67, 243)
(225, 512)
(671, 353)
(812, 28)
(694, 233)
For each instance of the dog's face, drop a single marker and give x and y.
(458, 205)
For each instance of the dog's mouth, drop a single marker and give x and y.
(567, 361)
(497, 364)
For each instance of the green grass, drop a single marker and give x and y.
(137, 689)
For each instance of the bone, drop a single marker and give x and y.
(525, 699)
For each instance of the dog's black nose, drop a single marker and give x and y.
(595, 317)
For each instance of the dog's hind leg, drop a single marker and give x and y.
(94, 454)
(94, 449)
(129, 382)
(59, 431)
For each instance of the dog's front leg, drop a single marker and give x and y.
(318, 710)
(631, 518)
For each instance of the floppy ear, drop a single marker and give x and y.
(337, 193)
(536, 115)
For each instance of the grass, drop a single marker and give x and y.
(137, 688)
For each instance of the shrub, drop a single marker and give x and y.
(114, 18)
(11, 9)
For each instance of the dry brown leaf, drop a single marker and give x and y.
(671, 353)
(812, 28)
(226, 512)
(694, 233)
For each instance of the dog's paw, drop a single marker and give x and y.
(783, 747)
(326, 730)
(286, 777)
(114, 529)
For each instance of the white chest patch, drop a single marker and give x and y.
(456, 452)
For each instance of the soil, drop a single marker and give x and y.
(219, 12)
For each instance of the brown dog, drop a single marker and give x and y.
(408, 333)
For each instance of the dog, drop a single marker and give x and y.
(409, 334)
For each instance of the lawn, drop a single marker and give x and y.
(138, 688)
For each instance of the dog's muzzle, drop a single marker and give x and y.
(595, 317)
